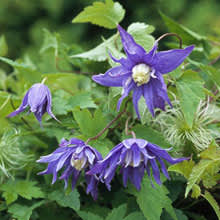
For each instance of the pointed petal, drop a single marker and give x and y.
(156, 171)
(113, 77)
(133, 50)
(136, 96)
(163, 168)
(155, 94)
(21, 107)
(136, 156)
(167, 61)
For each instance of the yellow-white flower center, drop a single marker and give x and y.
(78, 164)
(141, 74)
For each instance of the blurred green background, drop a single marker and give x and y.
(22, 21)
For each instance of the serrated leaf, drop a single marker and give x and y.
(141, 33)
(107, 14)
(188, 36)
(135, 215)
(90, 125)
(101, 52)
(71, 200)
(23, 188)
(196, 174)
(208, 196)
(3, 46)
(23, 212)
(184, 168)
(88, 216)
(117, 213)
(152, 200)
(196, 191)
(190, 91)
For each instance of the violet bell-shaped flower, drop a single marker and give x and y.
(74, 157)
(134, 156)
(142, 72)
(38, 99)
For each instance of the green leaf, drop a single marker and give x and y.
(117, 213)
(90, 126)
(23, 212)
(190, 91)
(196, 191)
(3, 46)
(23, 188)
(152, 200)
(197, 172)
(107, 14)
(184, 168)
(188, 36)
(100, 53)
(135, 215)
(150, 135)
(26, 71)
(71, 200)
(88, 216)
(212, 202)
(141, 33)
(82, 100)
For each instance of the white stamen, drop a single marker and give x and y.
(141, 74)
(152, 74)
(78, 164)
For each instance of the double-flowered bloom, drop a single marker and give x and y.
(134, 156)
(73, 156)
(38, 99)
(142, 72)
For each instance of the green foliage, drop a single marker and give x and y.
(152, 201)
(3, 46)
(107, 14)
(70, 200)
(23, 212)
(190, 83)
(26, 189)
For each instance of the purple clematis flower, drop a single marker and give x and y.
(38, 98)
(74, 156)
(134, 156)
(142, 72)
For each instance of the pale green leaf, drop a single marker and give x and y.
(196, 191)
(152, 200)
(117, 213)
(135, 216)
(71, 200)
(190, 91)
(88, 216)
(23, 212)
(141, 33)
(107, 14)
(213, 203)
(3, 46)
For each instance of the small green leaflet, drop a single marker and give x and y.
(108, 14)
(89, 216)
(26, 189)
(71, 200)
(117, 213)
(191, 92)
(152, 200)
(23, 212)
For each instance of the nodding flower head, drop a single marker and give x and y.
(134, 156)
(38, 99)
(75, 157)
(142, 72)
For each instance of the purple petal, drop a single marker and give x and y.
(21, 107)
(156, 171)
(75, 177)
(167, 61)
(149, 57)
(136, 96)
(113, 77)
(163, 168)
(136, 155)
(133, 50)
(155, 94)
(125, 173)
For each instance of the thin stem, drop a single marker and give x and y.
(109, 124)
(44, 79)
(214, 61)
(171, 34)
(127, 132)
